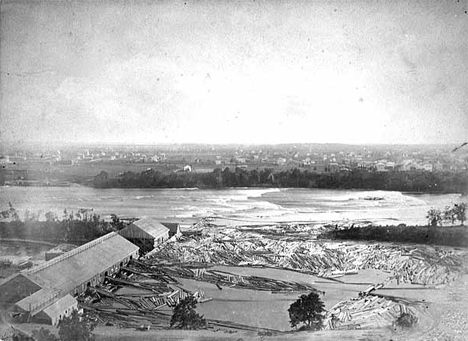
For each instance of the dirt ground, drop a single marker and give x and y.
(169, 335)
(448, 322)
(449, 310)
(270, 310)
(18, 253)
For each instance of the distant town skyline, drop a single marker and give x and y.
(258, 72)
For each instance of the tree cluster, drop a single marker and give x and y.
(82, 226)
(413, 181)
(309, 311)
(406, 320)
(450, 215)
(185, 317)
(455, 236)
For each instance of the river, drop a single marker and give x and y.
(249, 204)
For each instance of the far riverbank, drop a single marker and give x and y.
(456, 236)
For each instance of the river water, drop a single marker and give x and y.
(248, 204)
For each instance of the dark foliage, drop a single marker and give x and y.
(406, 320)
(76, 328)
(439, 235)
(19, 336)
(307, 310)
(411, 181)
(459, 211)
(71, 227)
(434, 217)
(43, 335)
(185, 316)
(451, 214)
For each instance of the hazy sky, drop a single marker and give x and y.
(226, 71)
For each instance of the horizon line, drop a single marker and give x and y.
(39, 142)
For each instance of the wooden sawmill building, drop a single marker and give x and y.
(148, 233)
(46, 293)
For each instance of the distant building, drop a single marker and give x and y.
(390, 166)
(281, 161)
(428, 167)
(367, 165)
(45, 293)
(146, 232)
(380, 167)
(333, 167)
(438, 166)
(408, 165)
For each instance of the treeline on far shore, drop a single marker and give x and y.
(75, 228)
(434, 233)
(441, 235)
(411, 181)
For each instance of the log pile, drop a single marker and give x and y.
(137, 310)
(108, 304)
(223, 278)
(419, 264)
(370, 311)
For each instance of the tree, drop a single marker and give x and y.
(76, 328)
(460, 212)
(116, 223)
(101, 179)
(12, 212)
(185, 316)
(43, 335)
(20, 336)
(309, 310)
(457, 212)
(434, 217)
(406, 320)
(449, 215)
(50, 217)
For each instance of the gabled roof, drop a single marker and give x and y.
(59, 306)
(151, 226)
(173, 227)
(15, 288)
(38, 300)
(66, 272)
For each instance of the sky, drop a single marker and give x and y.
(356, 72)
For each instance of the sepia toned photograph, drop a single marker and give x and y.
(239, 170)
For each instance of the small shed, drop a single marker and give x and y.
(60, 309)
(174, 229)
(50, 310)
(146, 232)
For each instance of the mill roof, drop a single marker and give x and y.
(66, 272)
(151, 226)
